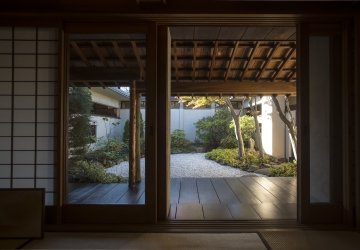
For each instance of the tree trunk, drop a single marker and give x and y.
(239, 138)
(258, 139)
(290, 124)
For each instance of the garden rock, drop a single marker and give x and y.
(253, 168)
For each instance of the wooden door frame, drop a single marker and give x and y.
(323, 213)
(109, 214)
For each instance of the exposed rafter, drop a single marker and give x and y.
(284, 62)
(251, 56)
(233, 53)
(213, 59)
(80, 53)
(267, 61)
(119, 54)
(99, 53)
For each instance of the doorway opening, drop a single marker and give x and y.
(243, 170)
(106, 119)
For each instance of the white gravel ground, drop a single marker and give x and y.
(187, 165)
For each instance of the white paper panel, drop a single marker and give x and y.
(25, 47)
(47, 47)
(5, 33)
(46, 88)
(25, 102)
(21, 74)
(49, 199)
(24, 143)
(5, 60)
(45, 129)
(5, 171)
(47, 34)
(47, 102)
(45, 157)
(5, 143)
(4, 183)
(23, 171)
(47, 75)
(5, 129)
(5, 115)
(45, 171)
(24, 115)
(5, 88)
(5, 74)
(23, 183)
(24, 129)
(48, 184)
(5, 157)
(47, 61)
(5, 102)
(24, 60)
(25, 33)
(46, 116)
(45, 143)
(24, 157)
(5, 46)
(24, 88)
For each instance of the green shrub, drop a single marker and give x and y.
(284, 169)
(211, 130)
(91, 172)
(247, 125)
(108, 152)
(230, 157)
(179, 144)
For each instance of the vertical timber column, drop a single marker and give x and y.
(134, 132)
(137, 136)
(163, 121)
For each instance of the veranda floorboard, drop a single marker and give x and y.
(243, 194)
(189, 211)
(224, 192)
(188, 191)
(207, 193)
(216, 212)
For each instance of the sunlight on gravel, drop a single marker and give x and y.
(187, 165)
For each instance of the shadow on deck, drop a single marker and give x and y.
(241, 198)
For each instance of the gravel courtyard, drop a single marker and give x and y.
(187, 165)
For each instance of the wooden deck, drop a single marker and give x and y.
(244, 198)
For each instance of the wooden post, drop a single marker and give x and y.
(134, 137)
(137, 141)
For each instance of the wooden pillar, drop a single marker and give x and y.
(134, 146)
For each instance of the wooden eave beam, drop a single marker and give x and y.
(99, 53)
(80, 53)
(286, 60)
(231, 60)
(268, 60)
(230, 87)
(138, 59)
(213, 59)
(118, 54)
(251, 57)
(102, 74)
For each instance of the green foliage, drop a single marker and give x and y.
(230, 157)
(284, 169)
(247, 125)
(179, 144)
(108, 152)
(229, 142)
(91, 172)
(80, 107)
(211, 130)
(126, 133)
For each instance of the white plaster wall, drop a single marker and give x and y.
(124, 115)
(278, 131)
(266, 127)
(191, 116)
(105, 129)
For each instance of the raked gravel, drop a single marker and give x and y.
(187, 165)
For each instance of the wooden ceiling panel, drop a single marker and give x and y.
(182, 33)
(281, 33)
(231, 33)
(256, 33)
(206, 33)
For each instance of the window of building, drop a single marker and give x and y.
(106, 111)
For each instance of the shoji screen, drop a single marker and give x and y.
(28, 88)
